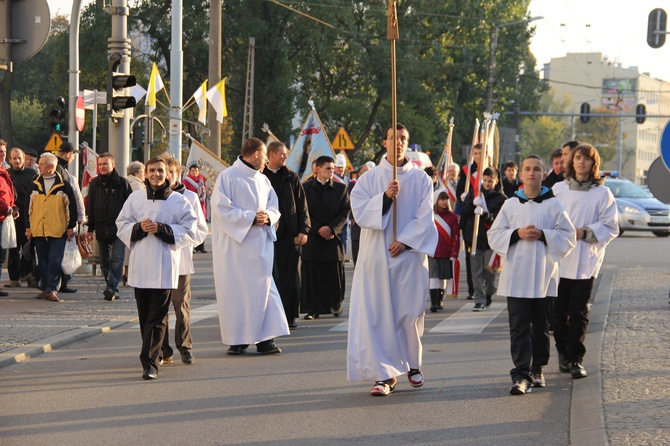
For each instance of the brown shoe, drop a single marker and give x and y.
(52, 296)
(42, 295)
(13, 284)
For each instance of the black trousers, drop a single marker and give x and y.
(571, 317)
(355, 246)
(152, 309)
(529, 335)
(18, 266)
(285, 274)
(468, 269)
(181, 301)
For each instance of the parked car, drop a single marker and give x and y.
(638, 209)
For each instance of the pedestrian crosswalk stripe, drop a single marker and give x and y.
(197, 314)
(467, 321)
(342, 326)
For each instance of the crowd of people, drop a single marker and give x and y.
(535, 238)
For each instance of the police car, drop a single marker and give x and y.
(638, 209)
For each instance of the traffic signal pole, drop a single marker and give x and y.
(119, 128)
(73, 83)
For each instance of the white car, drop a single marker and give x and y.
(638, 209)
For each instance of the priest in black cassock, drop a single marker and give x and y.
(322, 271)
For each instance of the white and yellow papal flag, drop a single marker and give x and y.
(155, 85)
(201, 100)
(217, 97)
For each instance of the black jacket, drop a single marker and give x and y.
(494, 202)
(23, 185)
(328, 205)
(292, 202)
(106, 196)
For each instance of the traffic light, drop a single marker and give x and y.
(117, 102)
(584, 111)
(640, 111)
(656, 27)
(58, 116)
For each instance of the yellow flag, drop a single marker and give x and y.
(155, 85)
(217, 97)
(200, 99)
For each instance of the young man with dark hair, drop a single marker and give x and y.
(322, 270)
(531, 233)
(155, 224)
(510, 181)
(390, 281)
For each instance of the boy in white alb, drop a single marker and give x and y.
(531, 233)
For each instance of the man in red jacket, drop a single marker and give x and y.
(7, 208)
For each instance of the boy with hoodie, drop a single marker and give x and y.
(531, 233)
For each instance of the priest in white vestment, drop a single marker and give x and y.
(390, 282)
(244, 214)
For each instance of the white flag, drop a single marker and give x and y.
(201, 100)
(217, 97)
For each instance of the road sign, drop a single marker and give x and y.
(342, 141)
(54, 143)
(658, 178)
(80, 113)
(665, 145)
(24, 26)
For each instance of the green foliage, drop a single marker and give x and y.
(28, 122)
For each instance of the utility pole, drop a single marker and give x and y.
(248, 126)
(214, 143)
(493, 45)
(73, 83)
(176, 81)
(119, 128)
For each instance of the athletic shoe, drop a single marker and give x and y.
(415, 377)
(383, 388)
(187, 357)
(479, 307)
(520, 387)
(538, 380)
(577, 371)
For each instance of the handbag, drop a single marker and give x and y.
(8, 233)
(71, 257)
(83, 244)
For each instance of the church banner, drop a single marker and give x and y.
(311, 144)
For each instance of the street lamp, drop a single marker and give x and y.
(493, 45)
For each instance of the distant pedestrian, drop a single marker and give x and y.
(155, 224)
(195, 182)
(107, 194)
(18, 266)
(593, 210)
(245, 212)
(441, 264)
(531, 232)
(52, 218)
(510, 180)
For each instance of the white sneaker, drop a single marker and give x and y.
(415, 377)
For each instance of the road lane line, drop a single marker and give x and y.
(197, 314)
(467, 321)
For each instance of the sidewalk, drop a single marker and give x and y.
(623, 401)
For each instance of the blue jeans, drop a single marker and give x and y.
(112, 253)
(50, 252)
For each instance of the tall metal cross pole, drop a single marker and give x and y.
(392, 34)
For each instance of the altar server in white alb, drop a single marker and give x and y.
(593, 211)
(155, 223)
(532, 232)
(181, 296)
(244, 214)
(390, 282)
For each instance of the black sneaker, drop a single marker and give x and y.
(578, 371)
(563, 364)
(187, 357)
(237, 349)
(489, 301)
(520, 387)
(267, 348)
(479, 307)
(149, 374)
(110, 295)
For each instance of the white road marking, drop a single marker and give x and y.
(197, 314)
(467, 321)
(342, 326)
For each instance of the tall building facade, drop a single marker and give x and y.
(604, 84)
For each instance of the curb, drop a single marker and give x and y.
(60, 340)
(587, 417)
